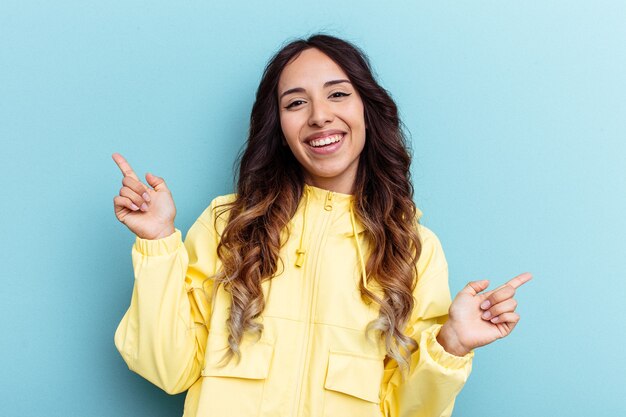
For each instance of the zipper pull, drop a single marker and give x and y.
(328, 205)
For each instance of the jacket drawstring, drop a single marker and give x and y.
(358, 248)
(301, 252)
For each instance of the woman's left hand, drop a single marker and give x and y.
(477, 319)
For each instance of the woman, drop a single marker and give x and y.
(313, 291)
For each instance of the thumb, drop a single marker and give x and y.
(155, 182)
(474, 287)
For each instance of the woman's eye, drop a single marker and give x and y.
(294, 104)
(339, 94)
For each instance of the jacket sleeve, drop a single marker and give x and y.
(434, 377)
(163, 334)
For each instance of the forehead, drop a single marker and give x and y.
(312, 68)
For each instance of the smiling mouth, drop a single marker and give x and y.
(328, 140)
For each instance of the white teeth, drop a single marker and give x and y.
(325, 141)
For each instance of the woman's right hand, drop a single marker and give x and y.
(148, 213)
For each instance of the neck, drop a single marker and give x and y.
(343, 185)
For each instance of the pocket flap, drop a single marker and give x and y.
(254, 363)
(354, 374)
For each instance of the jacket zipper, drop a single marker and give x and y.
(328, 206)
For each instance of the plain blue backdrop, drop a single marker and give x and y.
(517, 117)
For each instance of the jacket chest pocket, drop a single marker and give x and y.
(237, 388)
(352, 385)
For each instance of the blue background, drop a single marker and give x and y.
(517, 112)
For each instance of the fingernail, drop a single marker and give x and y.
(144, 207)
(486, 314)
(495, 319)
(146, 196)
(133, 206)
(485, 305)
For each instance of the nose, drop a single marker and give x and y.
(320, 113)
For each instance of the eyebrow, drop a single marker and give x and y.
(302, 90)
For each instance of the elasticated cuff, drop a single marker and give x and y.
(439, 354)
(159, 247)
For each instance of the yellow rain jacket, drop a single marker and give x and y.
(314, 358)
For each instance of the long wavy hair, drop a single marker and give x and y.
(271, 182)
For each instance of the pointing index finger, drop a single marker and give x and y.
(519, 280)
(124, 166)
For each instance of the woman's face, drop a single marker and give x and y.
(322, 118)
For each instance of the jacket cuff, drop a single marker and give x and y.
(159, 247)
(439, 354)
